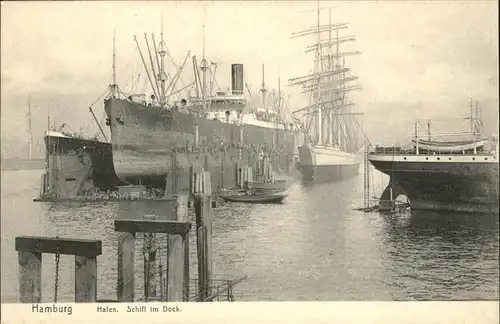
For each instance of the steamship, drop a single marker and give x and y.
(439, 172)
(331, 151)
(154, 142)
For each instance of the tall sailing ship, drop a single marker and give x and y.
(155, 141)
(331, 148)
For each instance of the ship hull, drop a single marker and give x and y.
(145, 137)
(325, 164)
(78, 161)
(464, 183)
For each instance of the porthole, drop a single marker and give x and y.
(439, 159)
(404, 158)
(486, 159)
(473, 159)
(426, 158)
(449, 159)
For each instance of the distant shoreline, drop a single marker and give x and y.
(13, 164)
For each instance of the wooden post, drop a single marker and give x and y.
(201, 247)
(179, 229)
(265, 169)
(30, 277)
(177, 251)
(222, 169)
(196, 136)
(30, 251)
(126, 278)
(182, 216)
(85, 279)
(149, 265)
(174, 172)
(203, 210)
(243, 182)
(237, 174)
(250, 174)
(241, 176)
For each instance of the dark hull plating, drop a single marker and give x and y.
(143, 139)
(468, 187)
(98, 154)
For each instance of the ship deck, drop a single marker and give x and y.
(402, 151)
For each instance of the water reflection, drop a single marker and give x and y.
(314, 246)
(442, 255)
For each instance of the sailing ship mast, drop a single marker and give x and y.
(263, 90)
(113, 86)
(204, 67)
(161, 73)
(30, 131)
(328, 86)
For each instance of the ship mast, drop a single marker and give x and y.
(204, 67)
(263, 90)
(161, 74)
(327, 84)
(318, 94)
(471, 117)
(279, 96)
(30, 132)
(113, 86)
(330, 68)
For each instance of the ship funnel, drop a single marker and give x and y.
(237, 78)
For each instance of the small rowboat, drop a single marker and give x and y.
(276, 186)
(255, 199)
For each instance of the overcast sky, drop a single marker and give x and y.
(420, 59)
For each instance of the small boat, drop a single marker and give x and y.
(255, 198)
(451, 146)
(278, 185)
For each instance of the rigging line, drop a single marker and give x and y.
(100, 97)
(362, 131)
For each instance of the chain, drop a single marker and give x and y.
(56, 284)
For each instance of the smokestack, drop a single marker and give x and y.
(237, 78)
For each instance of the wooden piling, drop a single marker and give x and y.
(85, 279)
(175, 275)
(30, 250)
(196, 136)
(182, 216)
(237, 174)
(249, 175)
(174, 172)
(203, 210)
(149, 252)
(30, 277)
(178, 251)
(175, 251)
(244, 177)
(126, 278)
(202, 247)
(222, 169)
(265, 169)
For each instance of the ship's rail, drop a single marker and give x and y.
(400, 150)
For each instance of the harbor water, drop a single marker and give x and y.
(315, 246)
